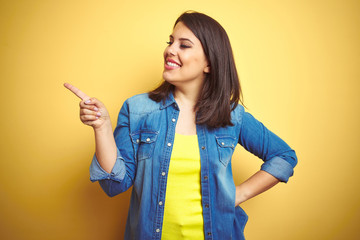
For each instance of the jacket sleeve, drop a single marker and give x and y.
(123, 173)
(279, 159)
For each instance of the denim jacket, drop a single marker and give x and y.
(144, 137)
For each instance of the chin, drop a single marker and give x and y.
(171, 81)
(167, 78)
(170, 78)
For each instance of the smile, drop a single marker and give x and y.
(172, 64)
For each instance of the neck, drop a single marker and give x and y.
(186, 98)
(188, 94)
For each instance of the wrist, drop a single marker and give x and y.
(106, 127)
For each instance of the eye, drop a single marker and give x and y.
(184, 46)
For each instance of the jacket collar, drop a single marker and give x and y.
(168, 101)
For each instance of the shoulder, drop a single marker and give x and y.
(142, 104)
(237, 114)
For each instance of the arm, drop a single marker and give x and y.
(123, 169)
(279, 159)
(105, 149)
(93, 113)
(112, 165)
(258, 183)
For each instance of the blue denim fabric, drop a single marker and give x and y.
(144, 136)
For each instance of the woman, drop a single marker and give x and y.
(174, 144)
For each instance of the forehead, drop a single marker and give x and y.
(182, 31)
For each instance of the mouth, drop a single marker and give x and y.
(171, 64)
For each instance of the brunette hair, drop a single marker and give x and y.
(221, 91)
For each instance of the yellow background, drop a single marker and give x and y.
(299, 65)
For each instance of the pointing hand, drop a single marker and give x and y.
(92, 111)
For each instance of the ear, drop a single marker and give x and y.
(207, 69)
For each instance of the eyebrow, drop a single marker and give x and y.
(182, 39)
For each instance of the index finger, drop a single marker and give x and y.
(76, 91)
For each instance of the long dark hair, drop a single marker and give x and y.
(221, 91)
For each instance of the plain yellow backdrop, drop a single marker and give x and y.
(299, 65)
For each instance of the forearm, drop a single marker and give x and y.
(105, 147)
(256, 184)
(94, 114)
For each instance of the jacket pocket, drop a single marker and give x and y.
(226, 146)
(240, 221)
(144, 143)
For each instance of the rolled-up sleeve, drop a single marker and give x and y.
(97, 173)
(279, 168)
(279, 159)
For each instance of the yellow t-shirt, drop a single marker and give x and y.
(183, 217)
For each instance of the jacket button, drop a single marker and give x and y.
(163, 173)
(203, 147)
(148, 139)
(160, 203)
(173, 119)
(157, 230)
(137, 140)
(223, 143)
(169, 144)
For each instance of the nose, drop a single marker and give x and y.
(170, 50)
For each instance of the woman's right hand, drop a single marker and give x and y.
(92, 111)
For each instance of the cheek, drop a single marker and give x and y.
(200, 59)
(201, 63)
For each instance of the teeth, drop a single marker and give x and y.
(171, 64)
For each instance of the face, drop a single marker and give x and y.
(185, 60)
